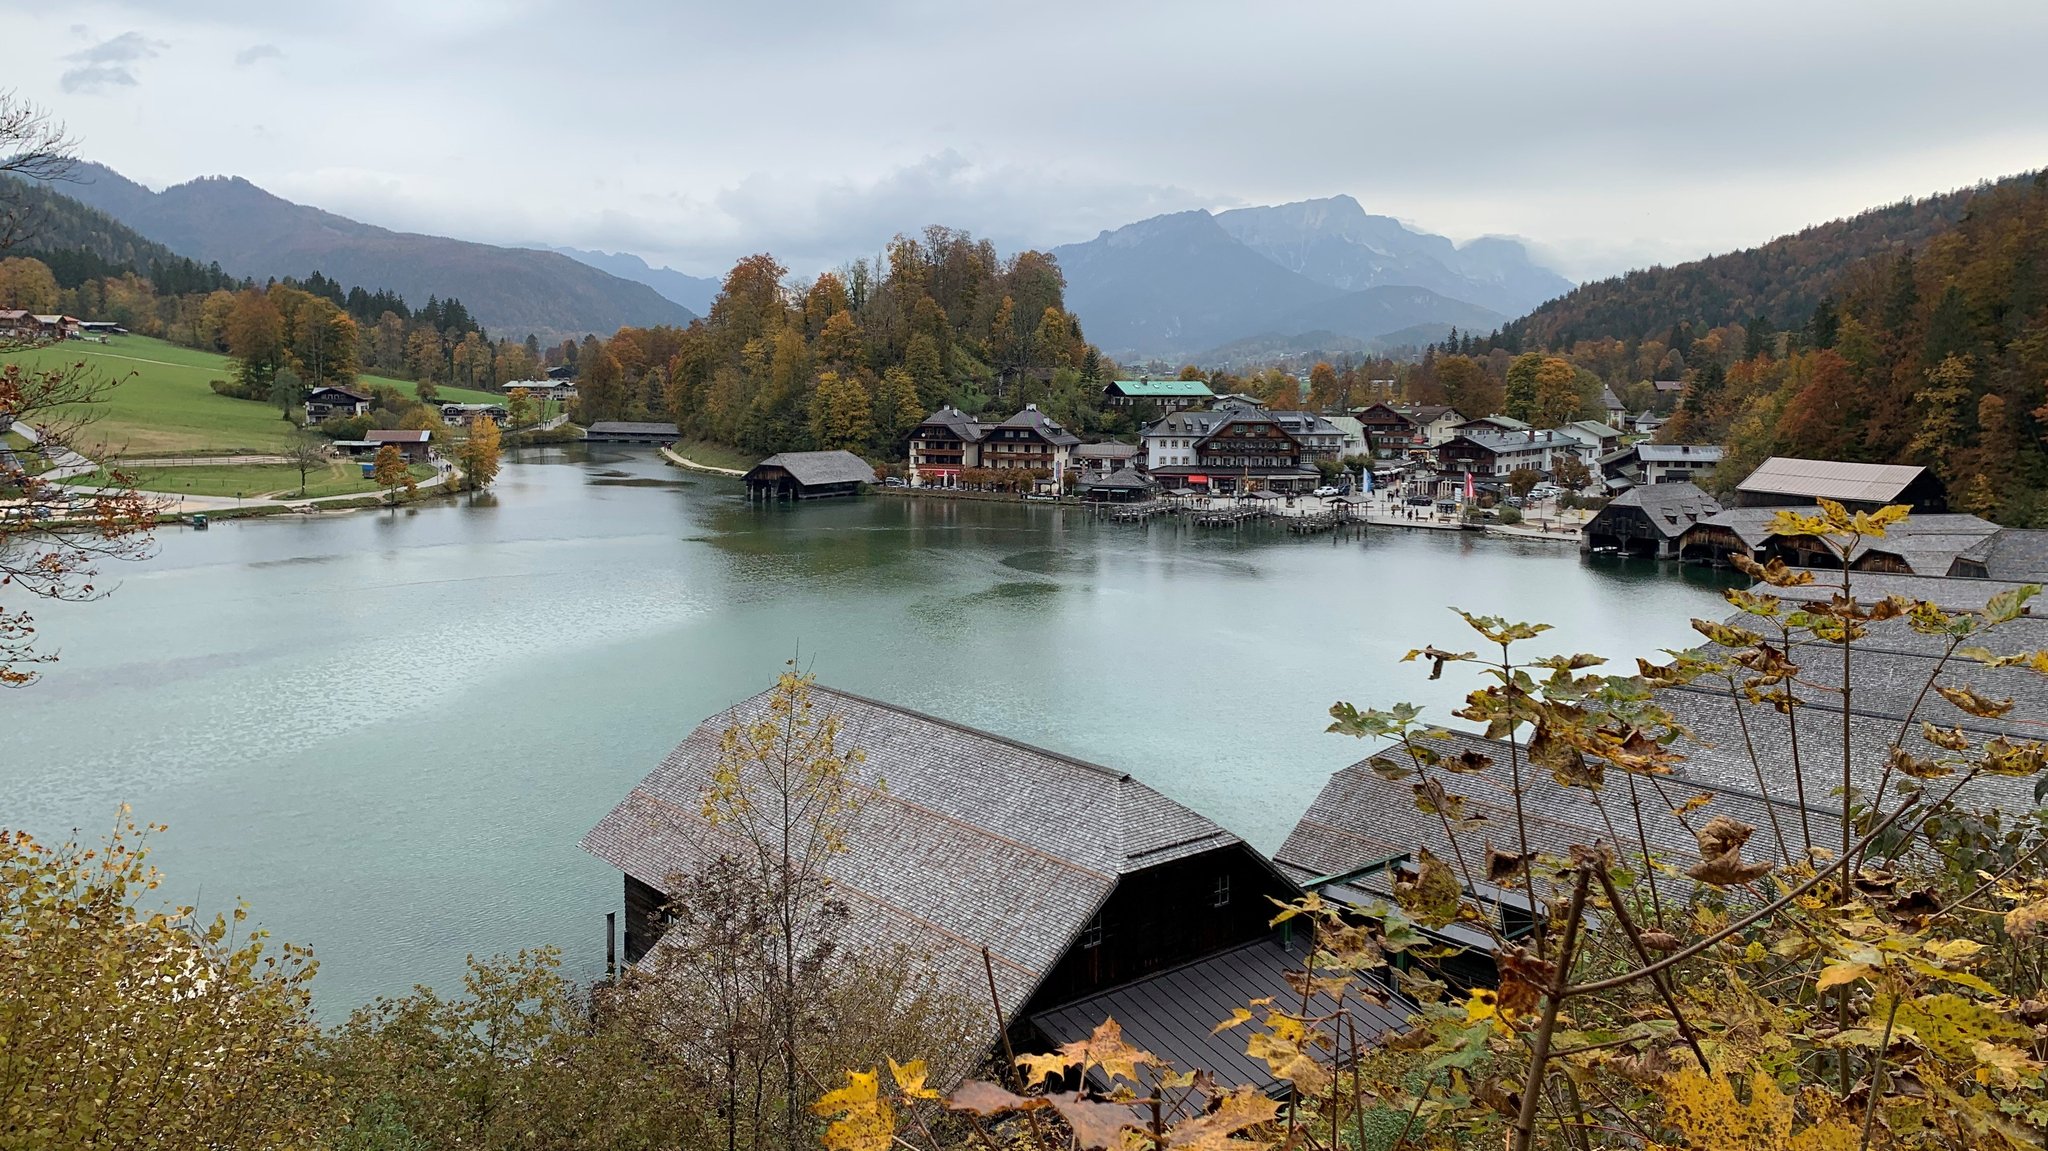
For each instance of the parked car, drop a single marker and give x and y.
(894, 482)
(1326, 491)
(1515, 502)
(1420, 501)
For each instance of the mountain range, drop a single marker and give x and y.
(1292, 277)
(692, 292)
(250, 232)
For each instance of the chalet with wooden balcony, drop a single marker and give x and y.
(1238, 450)
(945, 444)
(1031, 440)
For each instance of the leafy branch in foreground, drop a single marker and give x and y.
(1683, 982)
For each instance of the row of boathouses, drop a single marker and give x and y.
(1073, 892)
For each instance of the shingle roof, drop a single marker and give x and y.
(962, 426)
(1609, 400)
(1929, 544)
(2009, 554)
(1106, 451)
(1031, 417)
(977, 841)
(632, 428)
(1830, 479)
(1670, 508)
(395, 436)
(820, 467)
(1123, 479)
(1595, 427)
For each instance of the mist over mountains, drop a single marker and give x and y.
(1312, 275)
(250, 232)
(1293, 277)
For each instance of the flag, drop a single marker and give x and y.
(1471, 489)
(1366, 475)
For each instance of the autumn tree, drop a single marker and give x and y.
(787, 789)
(391, 472)
(898, 408)
(130, 1025)
(1570, 472)
(256, 341)
(478, 454)
(842, 414)
(1556, 399)
(1467, 387)
(1942, 404)
(307, 451)
(522, 409)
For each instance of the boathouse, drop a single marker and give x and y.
(1648, 521)
(630, 432)
(1921, 545)
(1074, 888)
(1783, 481)
(808, 475)
(1125, 485)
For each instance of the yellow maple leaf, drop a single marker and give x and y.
(910, 1079)
(865, 1119)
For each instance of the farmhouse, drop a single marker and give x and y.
(464, 413)
(330, 401)
(1070, 886)
(808, 475)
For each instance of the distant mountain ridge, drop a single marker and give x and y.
(250, 232)
(1181, 284)
(1334, 241)
(692, 292)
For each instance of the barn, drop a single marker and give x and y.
(1648, 521)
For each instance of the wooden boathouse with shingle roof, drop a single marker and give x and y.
(1078, 879)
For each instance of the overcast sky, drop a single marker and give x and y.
(1608, 134)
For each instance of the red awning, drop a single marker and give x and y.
(1198, 479)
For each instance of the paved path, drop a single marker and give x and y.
(174, 503)
(64, 463)
(694, 466)
(193, 461)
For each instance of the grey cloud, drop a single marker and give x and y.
(107, 63)
(255, 52)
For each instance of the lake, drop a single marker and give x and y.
(388, 731)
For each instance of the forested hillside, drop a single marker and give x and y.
(1938, 357)
(1780, 281)
(854, 361)
(79, 243)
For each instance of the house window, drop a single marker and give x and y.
(1222, 890)
(1091, 935)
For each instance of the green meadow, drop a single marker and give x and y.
(162, 402)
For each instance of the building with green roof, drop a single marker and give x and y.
(1165, 395)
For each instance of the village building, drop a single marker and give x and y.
(808, 476)
(324, 402)
(1030, 439)
(410, 444)
(1783, 481)
(1497, 454)
(1600, 439)
(1354, 436)
(1648, 521)
(1241, 449)
(1921, 545)
(1164, 395)
(17, 323)
(1108, 456)
(1390, 433)
(1667, 392)
(556, 390)
(945, 444)
(1434, 422)
(1611, 405)
(464, 413)
(1494, 423)
(1646, 463)
(631, 432)
(1072, 887)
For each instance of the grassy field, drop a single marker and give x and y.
(163, 403)
(257, 481)
(715, 455)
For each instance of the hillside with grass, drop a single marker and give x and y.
(163, 402)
